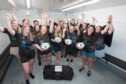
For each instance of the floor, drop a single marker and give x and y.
(103, 73)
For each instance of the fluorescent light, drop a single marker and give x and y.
(76, 2)
(81, 5)
(28, 3)
(12, 3)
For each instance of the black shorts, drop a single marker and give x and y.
(26, 57)
(71, 50)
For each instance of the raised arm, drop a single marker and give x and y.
(111, 28)
(51, 26)
(7, 17)
(13, 14)
(77, 27)
(106, 29)
(64, 31)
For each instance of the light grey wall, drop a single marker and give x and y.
(4, 42)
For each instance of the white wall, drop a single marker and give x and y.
(118, 48)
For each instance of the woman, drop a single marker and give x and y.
(64, 29)
(13, 38)
(57, 46)
(43, 37)
(88, 53)
(72, 34)
(83, 34)
(100, 34)
(26, 51)
(35, 33)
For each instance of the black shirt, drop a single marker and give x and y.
(89, 42)
(25, 45)
(13, 38)
(71, 36)
(39, 41)
(99, 41)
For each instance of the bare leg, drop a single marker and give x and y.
(90, 65)
(58, 58)
(31, 67)
(26, 69)
(43, 60)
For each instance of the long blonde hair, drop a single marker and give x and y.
(59, 34)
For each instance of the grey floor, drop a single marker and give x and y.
(102, 73)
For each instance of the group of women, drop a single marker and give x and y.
(27, 40)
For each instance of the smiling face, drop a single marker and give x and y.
(26, 31)
(84, 26)
(98, 29)
(71, 29)
(43, 30)
(14, 24)
(25, 22)
(90, 30)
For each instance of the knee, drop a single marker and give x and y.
(84, 58)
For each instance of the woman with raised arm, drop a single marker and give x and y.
(26, 49)
(100, 34)
(13, 37)
(64, 29)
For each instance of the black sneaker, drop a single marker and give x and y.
(81, 69)
(27, 82)
(39, 63)
(67, 60)
(89, 73)
(32, 76)
(71, 61)
(65, 56)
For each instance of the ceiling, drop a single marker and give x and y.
(56, 5)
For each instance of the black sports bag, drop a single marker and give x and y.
(58, 72)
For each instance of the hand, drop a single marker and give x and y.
(110, 19)
(8, 16)
(13, 10)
